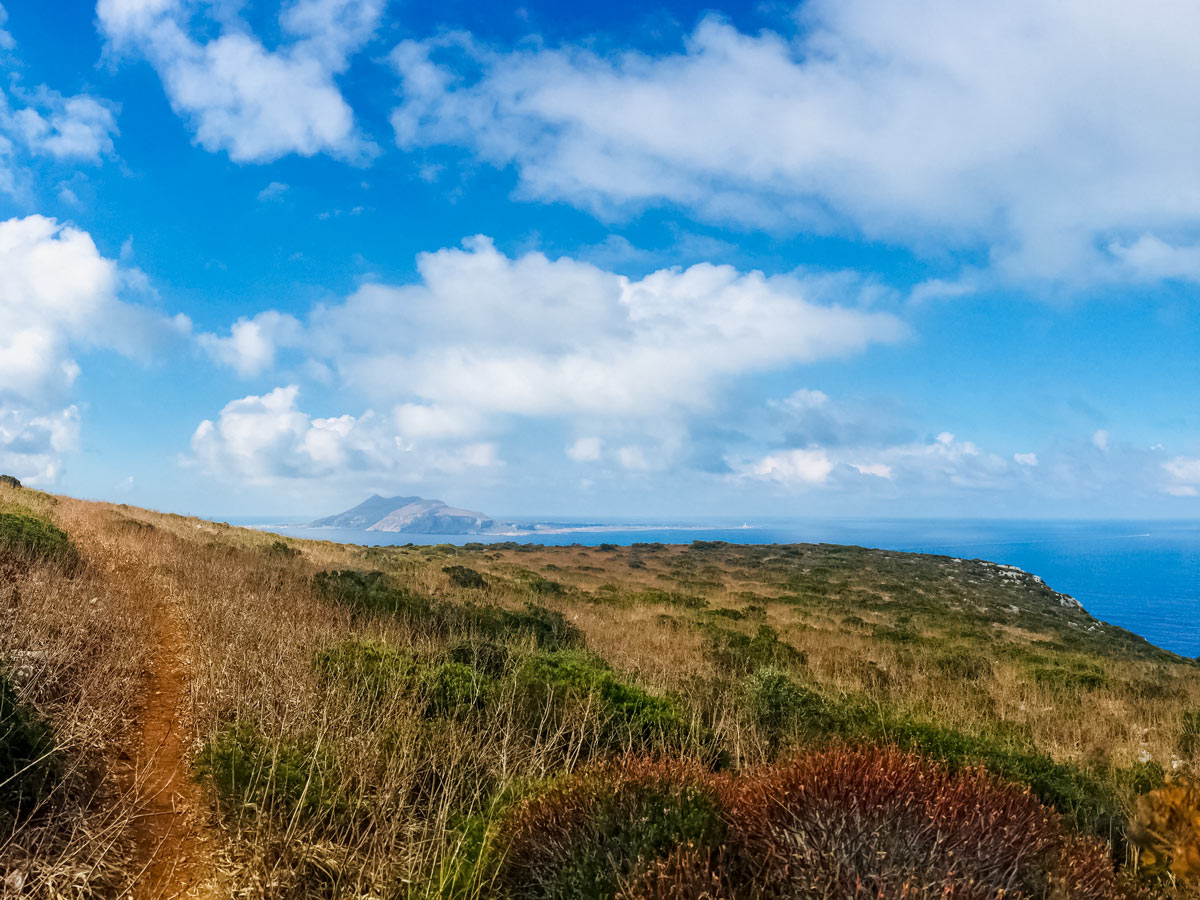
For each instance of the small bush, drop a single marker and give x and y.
(739, 653)
(872, 822)
(630, 714)
(962, 664)
(375, 670)
(1189, 737)
(281, 550)
(276, 779)
(370, 592)
(1063, 679)
(463, 577)
(452, 689)
(582, 837)
(779, 706)
(28, 538)
(29, 766)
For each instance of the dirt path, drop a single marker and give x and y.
(173, 849)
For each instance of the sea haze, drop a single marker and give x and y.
(1141, 575)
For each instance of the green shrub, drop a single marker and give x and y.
(1189, 738)
(374, 669)
(281, 550)
(486, 656)
(277, 779)
(30, 538)
(371, 592)
(631, 714)
(962, 664)
(582, 837)
(779, 705)
(733, 651)
(1083, 678)
(464, 577)
(29, 765)
(452, 689)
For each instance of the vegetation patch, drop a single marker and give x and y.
(464, 577)
(29, 765)
(32, 539)
(275, 778)
(630, 715)
(583, 837)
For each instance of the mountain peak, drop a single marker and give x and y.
(410, 515)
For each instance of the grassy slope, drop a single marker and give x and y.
(364, 773)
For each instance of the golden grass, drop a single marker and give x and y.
(252, 627)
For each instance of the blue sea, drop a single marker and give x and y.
(1141, 575)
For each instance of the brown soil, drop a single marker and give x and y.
(173, 851)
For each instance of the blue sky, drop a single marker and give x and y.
(836, 258)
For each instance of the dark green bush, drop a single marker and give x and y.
(733, 651)
(279, 779)
(463, 577)
(631, 714)
(452, 689)
(1084, 678)
(962, 664)
(375, 670)
(29, 766)
(281, 550)
(780, 706)
(32, 539)
(371, 592)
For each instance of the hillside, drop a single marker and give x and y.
(409, 515)
(191, 707)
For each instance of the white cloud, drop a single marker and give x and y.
(268, 439)
(1053, 134)
(80, 127)
(1100, 440)
(878, 470)
(633, 458)
(1025, 459)
(272, 191)
(586, 449)
(251, 345)
(32, 445)
(531, 336)
(789, 467)
(255, 103)
(58, 296)
(1184, 475)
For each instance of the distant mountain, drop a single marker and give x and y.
(409, 515)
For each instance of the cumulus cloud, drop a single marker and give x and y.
(80, 127)
(1025, 459)
(532, 336)
(252, 344)
(1058, 136)
(586, 449)
(32, 445)
(1184, 476)
(255, 103)
(268, 439)
(480, 339)
(58, 297)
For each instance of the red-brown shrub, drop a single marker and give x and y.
(840, 823)
(586, 834)
(878, 822)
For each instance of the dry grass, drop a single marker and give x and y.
(322, 786)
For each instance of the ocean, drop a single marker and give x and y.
(1141, 575)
